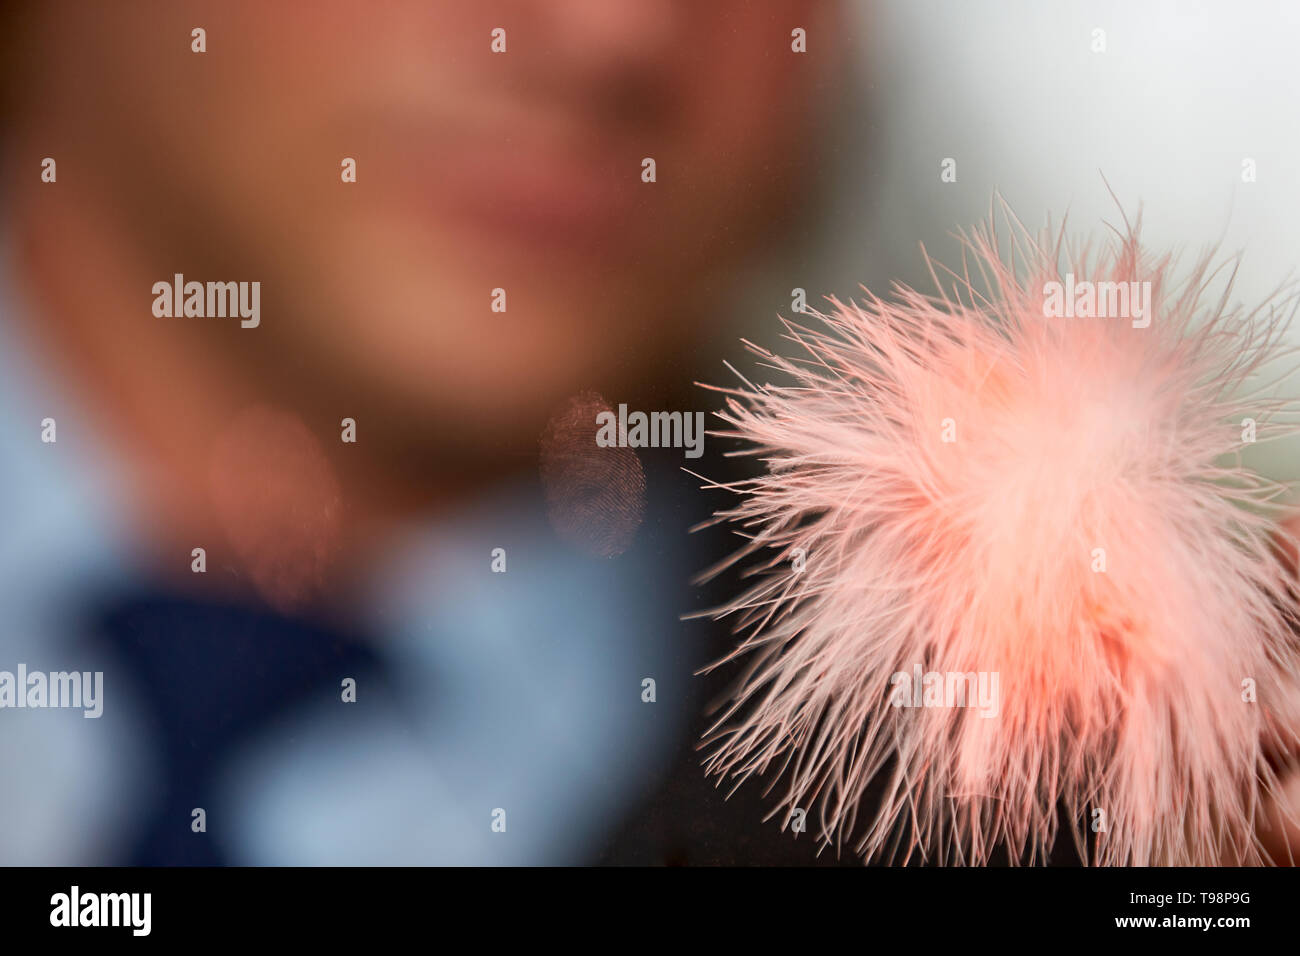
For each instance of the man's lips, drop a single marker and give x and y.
(528, 192)
(546, 198)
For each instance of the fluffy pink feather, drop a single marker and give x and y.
(949, 467)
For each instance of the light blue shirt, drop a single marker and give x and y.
(520, 691)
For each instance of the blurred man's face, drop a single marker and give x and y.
(475, 171)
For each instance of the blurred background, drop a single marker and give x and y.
(498, 588)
